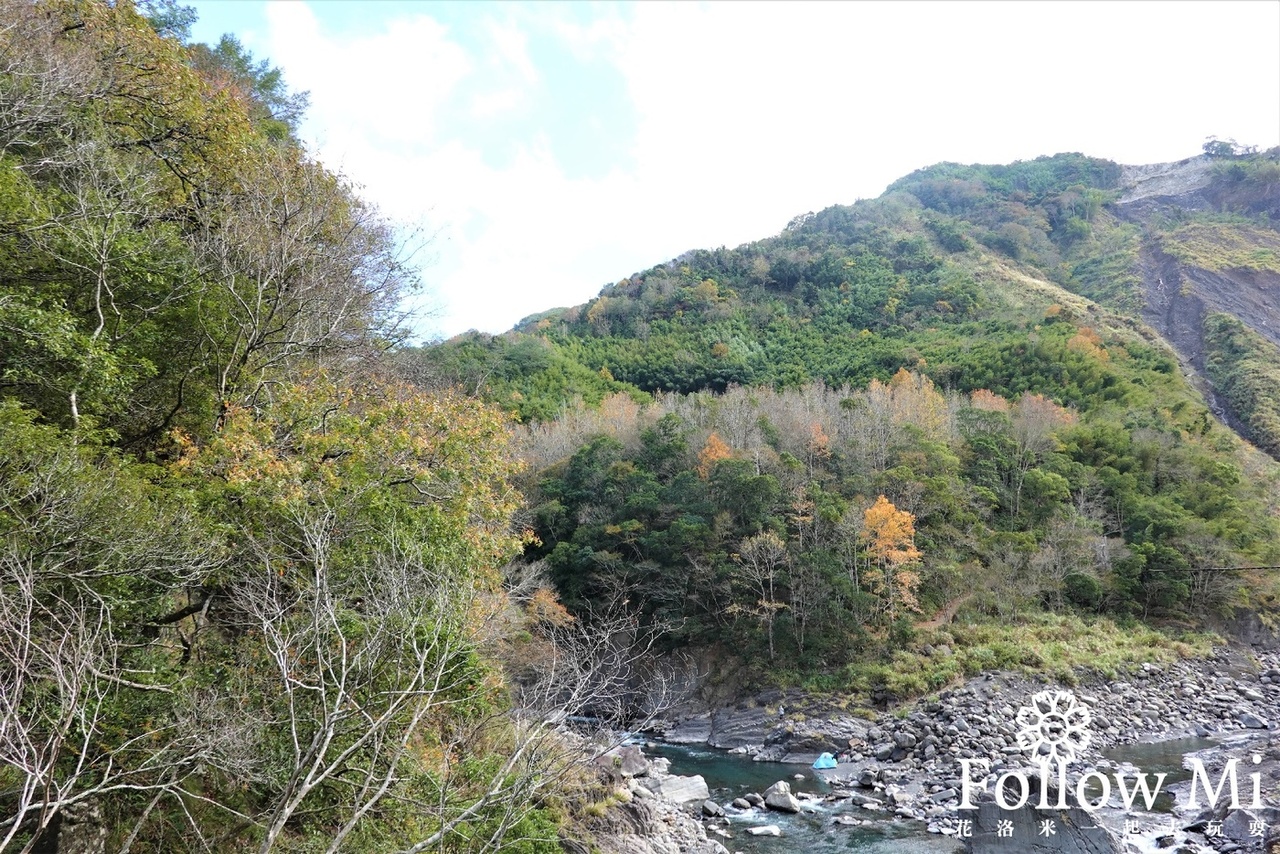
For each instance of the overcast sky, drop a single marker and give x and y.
(553, 148)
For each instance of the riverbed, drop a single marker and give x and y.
(731, 776)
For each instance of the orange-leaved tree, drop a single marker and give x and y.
(713, 452)
(888, 535)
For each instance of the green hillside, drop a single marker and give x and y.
(271, 580)
(709, 436)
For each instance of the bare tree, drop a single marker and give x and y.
(42, 75)
(1072, 545)
(303, 268)
(761, 558)
(85, 563)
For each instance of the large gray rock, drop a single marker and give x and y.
(779, 797)
(1252, 721)
(1239, 826)
(626, 760)
(1075, 832)
(680, 790)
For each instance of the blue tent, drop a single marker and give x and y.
(826, 760)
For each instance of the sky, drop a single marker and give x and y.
(539, 151)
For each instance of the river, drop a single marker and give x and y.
(731, 776)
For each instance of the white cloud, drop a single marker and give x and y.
(747, 114)
(386, 88)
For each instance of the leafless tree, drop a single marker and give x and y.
(1071, 546)
(42, 77)
(760, 559)
(82, 562)
(303, 267)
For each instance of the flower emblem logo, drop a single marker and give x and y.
(1054, 728)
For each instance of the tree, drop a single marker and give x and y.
(1035, 420)
(888, 535)
(712, 452)
(760, 559)
(271, 105)
(303, 270)
(93, 557)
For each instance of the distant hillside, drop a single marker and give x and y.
(1173, 245)
(1028, 363)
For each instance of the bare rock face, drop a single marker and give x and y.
(1165, 180)
(647, 827)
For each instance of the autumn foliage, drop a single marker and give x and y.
(712, 452)
(889, 536)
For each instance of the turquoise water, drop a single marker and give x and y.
(730, 777)
(1153, 759)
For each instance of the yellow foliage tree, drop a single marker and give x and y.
(888, 535)
(1088, 342)
(713, 452)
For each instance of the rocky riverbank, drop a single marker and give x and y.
(909, 762)
(653, 811)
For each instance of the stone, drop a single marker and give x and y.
(779, 797)
(1251, 721)
(765, 830)
(626, 760)
(1237, 825)
(1077, 832)
(711, 809)
(741, 804)
(680, 790)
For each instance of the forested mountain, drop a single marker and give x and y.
(994, 390)
(272, 580)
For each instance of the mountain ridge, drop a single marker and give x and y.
(977, 359)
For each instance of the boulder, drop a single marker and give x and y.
(1076, 831)
(626, 760)
(779, 797)
(680, 790)
(765, 830)
(711, 809)
(1251, 721)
